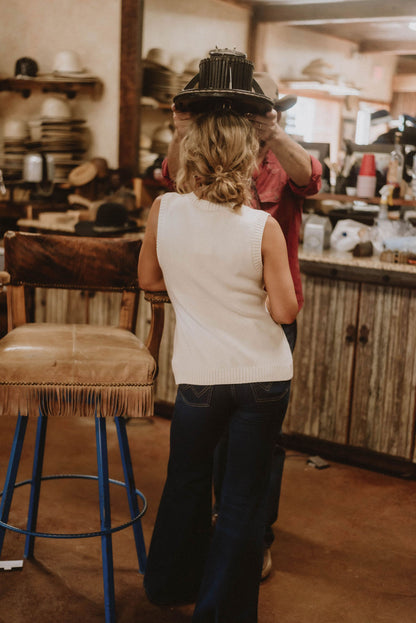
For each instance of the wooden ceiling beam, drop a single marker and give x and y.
(388, 47)
(334, 12)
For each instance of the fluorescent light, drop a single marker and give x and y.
(332, 89)
(412, 25)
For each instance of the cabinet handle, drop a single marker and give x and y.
(351, 334)
(364, 332)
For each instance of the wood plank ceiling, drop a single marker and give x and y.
(374, 25)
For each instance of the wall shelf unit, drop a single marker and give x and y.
(89, 86)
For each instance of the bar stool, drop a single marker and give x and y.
(51, 369)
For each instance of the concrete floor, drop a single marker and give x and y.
(345, 549)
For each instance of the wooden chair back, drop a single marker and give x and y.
(71, 262)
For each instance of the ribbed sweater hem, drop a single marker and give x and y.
(229, 376)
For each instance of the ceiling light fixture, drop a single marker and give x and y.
(310, 85)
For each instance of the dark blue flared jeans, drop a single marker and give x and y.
(187, 562)
(279, 455)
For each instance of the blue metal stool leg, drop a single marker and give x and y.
(8, 490)
(131, 491)
(35, 485)
(105, 514)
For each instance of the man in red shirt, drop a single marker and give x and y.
(286, 174)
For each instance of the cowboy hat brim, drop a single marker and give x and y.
(201, 100)
(268, 86)
(89, 228)
(285, 102)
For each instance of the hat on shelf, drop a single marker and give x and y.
(111, 220)
(67, 64)
(16, 129)
(320, 70)
(25, 67)
(162, 75)
(226, 80)
(83, 174)
(55, 108)
(158, 57)
(101, 165)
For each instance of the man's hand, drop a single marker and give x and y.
(294, 159)
(266, 126)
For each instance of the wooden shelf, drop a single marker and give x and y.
(350, 199)
(90, 86)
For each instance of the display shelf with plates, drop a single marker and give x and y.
(55, 132)
(66, 140)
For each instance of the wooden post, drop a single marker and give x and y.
(130, 87)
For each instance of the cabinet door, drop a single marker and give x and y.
(383, 404)
(323, 360)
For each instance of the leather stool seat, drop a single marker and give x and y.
(94, 367)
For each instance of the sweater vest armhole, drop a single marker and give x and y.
(257, 239)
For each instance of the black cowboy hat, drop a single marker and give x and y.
(111, 220)
(225, 80)
(25, 67)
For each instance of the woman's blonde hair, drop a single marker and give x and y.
(217, 158)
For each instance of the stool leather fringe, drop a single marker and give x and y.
(86, 400)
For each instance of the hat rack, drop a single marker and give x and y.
(71, 88)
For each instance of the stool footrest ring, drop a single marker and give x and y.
(77, 535)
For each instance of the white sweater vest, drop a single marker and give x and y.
(211, 260)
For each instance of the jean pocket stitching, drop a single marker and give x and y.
(265, 387)
(193, 394)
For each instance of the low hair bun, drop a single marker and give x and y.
(217, 158)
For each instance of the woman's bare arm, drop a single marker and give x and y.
(149, 271)
(282, 302)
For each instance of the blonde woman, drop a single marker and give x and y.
(226, 270)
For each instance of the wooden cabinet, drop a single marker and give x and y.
(384, 387)
(355, 366)
(324, 360)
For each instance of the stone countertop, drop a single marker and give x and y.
(343, 265)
